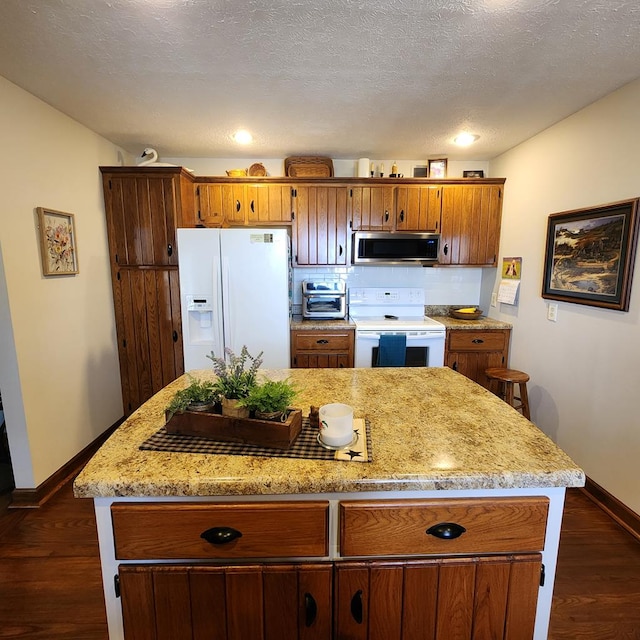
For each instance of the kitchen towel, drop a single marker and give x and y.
(392, 350)
(305, 446)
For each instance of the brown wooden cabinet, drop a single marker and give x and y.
(144, 207)
(483, 583)
(453, 598)
(471, 351)
(260, 602)
(238, 203)
(318, 349)
(320, 227)
(418, 208)
(470, 228)
(371, 208)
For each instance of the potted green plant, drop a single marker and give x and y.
(200, 395)
(269, 400)
(236, 376)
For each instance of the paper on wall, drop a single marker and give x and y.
(508, 291)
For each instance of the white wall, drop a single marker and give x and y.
(346, 168)
(59, 373)
(584, 367)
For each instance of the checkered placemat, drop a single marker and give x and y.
(305, 446)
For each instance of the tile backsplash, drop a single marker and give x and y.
(442, 286)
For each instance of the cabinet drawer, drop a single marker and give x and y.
(316, 341)
(172, 531)
(491, 525)
(465, 340)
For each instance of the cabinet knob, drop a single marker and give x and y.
(237, 205)
(169, 249)
(310, 610)
(356, 606)
(175, 336)
(446, 530)
(221, 535)
(402, 215)
(445, 249)
(253, 210)
(386, 216)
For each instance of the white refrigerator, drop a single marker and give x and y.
(234, 291)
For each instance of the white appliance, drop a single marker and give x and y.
(395, 311)
(234, 291)
(324, 300)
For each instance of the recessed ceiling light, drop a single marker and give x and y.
(465, 139)
(242, 137)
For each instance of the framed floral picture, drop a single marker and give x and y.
(590, 255)
(437, 168)
(57, 242)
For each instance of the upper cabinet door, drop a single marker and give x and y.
(418, 208)
(141, 219)
(268, 204)
(320, 229)
(372, 208)
(471, 216)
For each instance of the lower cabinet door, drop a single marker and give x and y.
(244, 602)
(438, 599)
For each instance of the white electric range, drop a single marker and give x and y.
(395, 311)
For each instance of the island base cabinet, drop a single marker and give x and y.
(491, 597)
(244, 602)
(454, 598)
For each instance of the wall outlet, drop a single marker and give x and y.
(552, 312)
(494, 299)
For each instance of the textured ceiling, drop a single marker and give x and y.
(343, 78)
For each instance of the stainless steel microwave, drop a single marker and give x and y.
(383, 247)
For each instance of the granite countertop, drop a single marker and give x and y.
(481, 323)
(431, 428)
(298, 323)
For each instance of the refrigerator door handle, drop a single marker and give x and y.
(226, 304)
(217, 297)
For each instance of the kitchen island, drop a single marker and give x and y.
(462, 499)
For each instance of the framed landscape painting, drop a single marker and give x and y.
(57, 242)
(590, 255)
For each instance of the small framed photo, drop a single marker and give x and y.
(420, 171)
(57, 242)
(590, 255)
(438, 168)
(473, 173)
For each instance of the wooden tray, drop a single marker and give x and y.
(308, 167)
(264, 433)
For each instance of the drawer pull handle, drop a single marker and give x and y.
(356, 606)
(446, 530)
(478, 341)
(221, 535)
(310, 610)
(322, 342)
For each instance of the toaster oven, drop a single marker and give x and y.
(324, 300)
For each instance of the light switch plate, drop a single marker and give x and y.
(494, 299)
(552, 312)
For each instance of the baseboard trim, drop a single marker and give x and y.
(625, 517)
(34, 498)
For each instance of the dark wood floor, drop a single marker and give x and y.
(50, 586)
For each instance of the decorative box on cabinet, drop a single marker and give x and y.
(317, 349)
(470, 352)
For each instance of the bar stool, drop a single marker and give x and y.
(503, 380)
